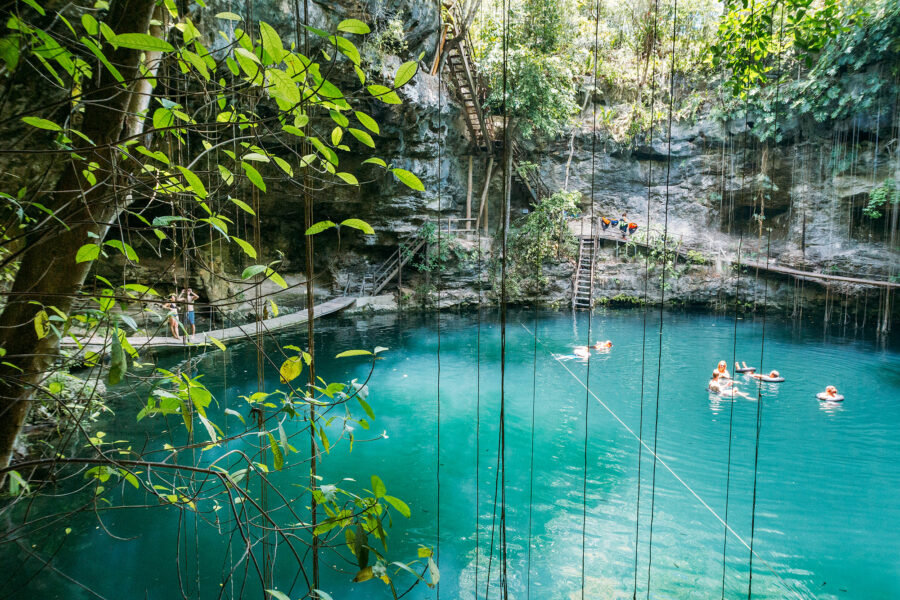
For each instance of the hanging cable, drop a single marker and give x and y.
(594, 242)
(737, 300)
(662, 300)
(438, 312)
(504, 583)
(637, 510)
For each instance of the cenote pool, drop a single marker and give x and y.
(828, 490)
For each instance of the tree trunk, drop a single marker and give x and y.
(48, 274)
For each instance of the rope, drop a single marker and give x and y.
(437, 554)
(637, 511)
(531, 460)
(762, 349)
(662, 301)
(666, 466)
(590, 331)
(737, 296)
(504, 589)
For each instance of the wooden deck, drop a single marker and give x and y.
(230, 334)
(613, 234)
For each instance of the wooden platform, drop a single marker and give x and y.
(615, 235)
(230, 334)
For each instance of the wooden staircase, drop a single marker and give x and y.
(583, 292)
(375, 281)
(471, 92)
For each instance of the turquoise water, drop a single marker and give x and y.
(827, 495)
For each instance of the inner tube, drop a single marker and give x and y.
(771, 379)
(826, 398)
(747, 370)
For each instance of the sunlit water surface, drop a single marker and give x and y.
(827, 485)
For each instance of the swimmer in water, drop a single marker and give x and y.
(722, 370)
(723, 387)
(831, 392)
(582, 351)
(603, 345)
(771, 375)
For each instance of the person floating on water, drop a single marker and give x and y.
(743, 368)
(830, 395)
(724, 387)
(721, 370)
(189, 296)
(773, 376)
(603, 345)
(172, 316)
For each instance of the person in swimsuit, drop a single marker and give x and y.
(603, 345)
(722, 370)
(724, 387)
(831, 392)
(172, 316)
(582, 351)
(742, 366)
(189, 296)
(772, 375)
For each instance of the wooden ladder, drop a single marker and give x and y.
(381, 276)
(471, 91)
(583, 292)
(466, 82)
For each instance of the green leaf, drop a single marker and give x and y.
(243, 206)
(353, 26)
(277, 456)
(375, 161)
(363, 137)
(385, 94)
(339, 118)
(253, 175)
(277, 595)
(367, 122)
(409, 179)
(398, 504)
(124, 248)
(140, 289)
(378, 487)
(41, 320)
(229, 16)
(117, 362)
(347, 353)
(194, 181)
(323, 595)
(284, 165)
(433, 572)
(253, 270)
(271, 42)
(87, 253)
(291, 369)
(41, 123)
(406, 72)
(358, 224)
(248, 248)
(348, 178)
(319, 227)
(142, 41)
(163, 118)
(217, 343)
(36, 7)
(276, 278)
